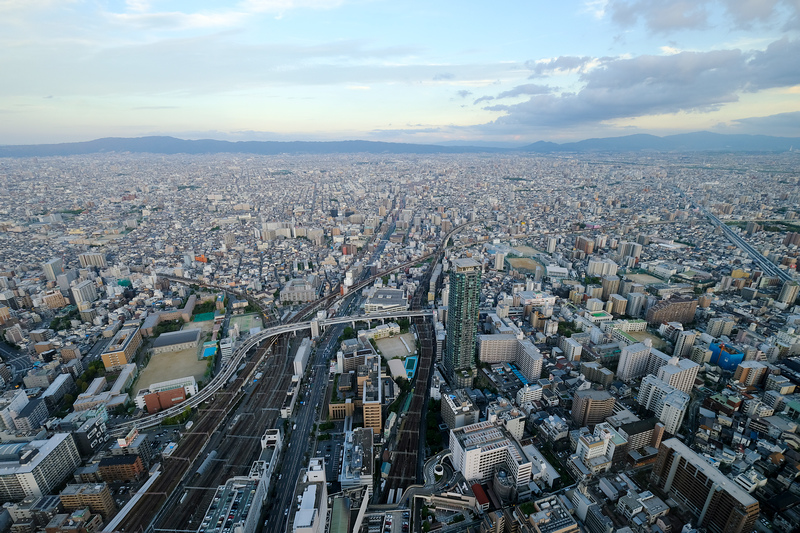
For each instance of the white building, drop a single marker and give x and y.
(312, 515)
(11, 404)
(668, 403)
(507, 348)
(479, 449)
(680, 373)
(84, 292)
(529, 393)
(596, 450)
(383, 300)
(301, 358)
(41, 466)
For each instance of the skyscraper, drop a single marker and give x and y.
(462, 322)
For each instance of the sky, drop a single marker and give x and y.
(504, 72)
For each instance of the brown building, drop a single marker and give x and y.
(157, 401)
(339, 411)
(55, 300)
(717, 503)
(584, 244)
(675, 309)
(121, 468)
(41, 347)
(70, 352)
(122, 348)
(96, 496)
(648, 432)
(750, 373)
(590, 407)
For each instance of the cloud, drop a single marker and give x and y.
(782, 124)
(464, 93)
(558, 65)
(280, 6)
(483, 99)
(697, 82)
(444, 76)
(665, 16)
(177, 20)
(528, 88)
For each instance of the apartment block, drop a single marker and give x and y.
(717, 503)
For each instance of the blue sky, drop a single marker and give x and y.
(504, 72)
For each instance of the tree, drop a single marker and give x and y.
(69, 399)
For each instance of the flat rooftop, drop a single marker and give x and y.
(711, 472)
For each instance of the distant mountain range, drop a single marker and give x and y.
(688, 142)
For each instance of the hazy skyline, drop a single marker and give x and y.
(513, 72)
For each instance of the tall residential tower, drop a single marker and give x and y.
(462, 322)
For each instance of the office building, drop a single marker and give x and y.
(122, 348)
(125, 467)
(462, 322)
(92, 259)
(633, 361)
(601, 267)
(96, 496)
(630, 249)
(357, 460)
(789, 292)
(750, 373)
(53, 268)
(571, 348)
(383, 300)
(480, 450)
(312, 495)
(584, 244)
(32, 416)
(599, 449)
(675, 309)
(684, 343)
(667, 403)
(647, 432)
(619, 304)
(458, 410)
(719, 326)
(636, 302)
(507, 348)
(597, 373)
(679, 373)
(35, 468)
(716, 502)
(11, 404)
(549, 515)
(610, 286)
(84, 292)
(590, 407)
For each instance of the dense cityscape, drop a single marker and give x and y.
(384, 343)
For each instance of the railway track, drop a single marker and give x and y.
(188, 454)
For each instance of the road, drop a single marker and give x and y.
(20, 362)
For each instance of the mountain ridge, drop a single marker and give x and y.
(684, 142)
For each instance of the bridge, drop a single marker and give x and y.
(232, 367)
